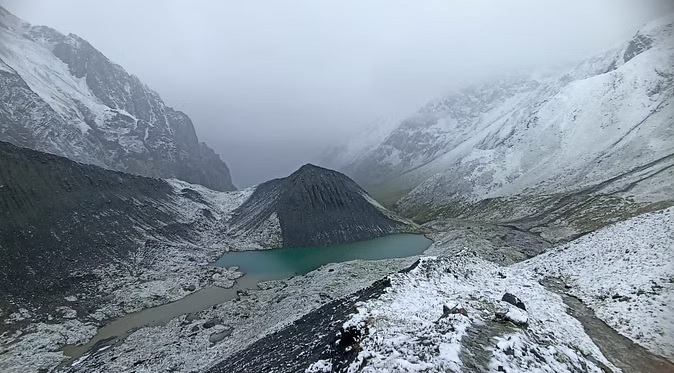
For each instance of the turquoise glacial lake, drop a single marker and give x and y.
(282, 263)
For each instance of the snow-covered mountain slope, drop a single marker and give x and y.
(313, 206)
(608, 118)
(60, 95)
(446, 315)
(443, 315)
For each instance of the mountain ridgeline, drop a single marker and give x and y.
(60, 95)
(313, 206)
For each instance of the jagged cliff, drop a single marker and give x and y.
(58, 94)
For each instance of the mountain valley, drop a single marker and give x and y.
(519, 225)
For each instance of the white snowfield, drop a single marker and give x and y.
(405, 329)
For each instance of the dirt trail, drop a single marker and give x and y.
(618, 349)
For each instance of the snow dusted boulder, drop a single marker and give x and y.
(514, 315)
(515, 301)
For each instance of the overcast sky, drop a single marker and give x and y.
(270, 84)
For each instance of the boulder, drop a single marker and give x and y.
(219, 336)
(211, 323)
(515, 301)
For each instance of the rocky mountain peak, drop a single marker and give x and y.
(313, 206)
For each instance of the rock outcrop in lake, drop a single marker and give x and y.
(313, 206)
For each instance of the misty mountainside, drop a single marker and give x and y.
(598, 135)
(313, 206)
(60, 95)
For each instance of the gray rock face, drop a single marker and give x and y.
(315, 207)
(637, 45)
(61, 95)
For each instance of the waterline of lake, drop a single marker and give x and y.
(287, 262)
(257, 266)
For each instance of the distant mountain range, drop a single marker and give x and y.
(604, 127)
(60, 95)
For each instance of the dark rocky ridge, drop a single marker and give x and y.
(315, 207)
(140, 134)
(59, 219)
(311, 338)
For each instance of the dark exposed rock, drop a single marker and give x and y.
(446, 311)
(509, 298)
(637, 45)
(313, 337)
(315, 207)
(412, 267)
(349, 336)
(52, 211)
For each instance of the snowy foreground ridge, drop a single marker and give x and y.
(407, 331)
(446, 314)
